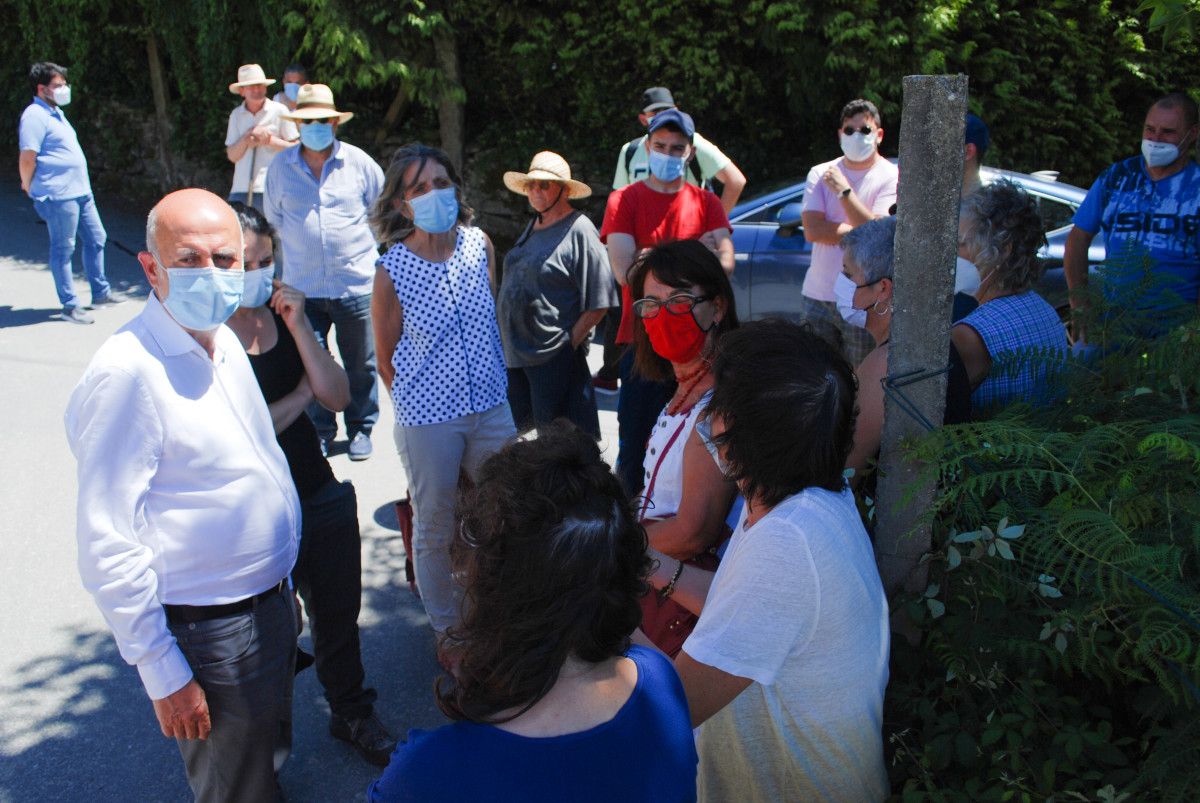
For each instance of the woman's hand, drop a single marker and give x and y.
(288, 303)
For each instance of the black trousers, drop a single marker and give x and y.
(328, 575)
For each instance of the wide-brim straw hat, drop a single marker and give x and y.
(250, 75)
(315, 102)
(547, 166)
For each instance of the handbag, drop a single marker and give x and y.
(664, 621)
(404, 515)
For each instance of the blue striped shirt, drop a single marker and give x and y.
(328, 248)
(1025, 339)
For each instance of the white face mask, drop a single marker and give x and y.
(62, 95)
(1159, 154)
(858, 147)
(844, 290)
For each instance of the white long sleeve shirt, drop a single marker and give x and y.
(184, 494)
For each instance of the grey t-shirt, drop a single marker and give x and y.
(547, 282)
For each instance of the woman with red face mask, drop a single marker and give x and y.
(684, 305)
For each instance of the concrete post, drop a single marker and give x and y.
(931, 169)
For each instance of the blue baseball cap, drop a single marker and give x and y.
(977, 134)
(682, 121)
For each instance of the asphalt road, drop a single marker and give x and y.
(75, 721)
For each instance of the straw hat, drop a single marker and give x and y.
(547, 166)
(315, 102)
(250, 75)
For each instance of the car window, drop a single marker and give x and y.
(770, 213)
(1054, 213)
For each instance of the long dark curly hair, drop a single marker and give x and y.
(553, 561)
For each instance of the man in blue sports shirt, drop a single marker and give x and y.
(54, 174)
(1147, 205)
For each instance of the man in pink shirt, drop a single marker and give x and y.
(839, 196)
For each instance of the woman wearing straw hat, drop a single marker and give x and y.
(555, 286)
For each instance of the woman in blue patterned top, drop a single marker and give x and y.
(550, 701)
(1012, 341)
(435, 317)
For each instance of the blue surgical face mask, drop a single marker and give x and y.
(316, 136)
(436, 211)
(292, 91)
(666, 168)
(843, 290)
(258, 286)
(704, 430)
(201, 299)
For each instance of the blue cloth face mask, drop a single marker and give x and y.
(201, 299)
(666, 168)
(292, 91)
(316, 136)
(258, 286)
(436, 211)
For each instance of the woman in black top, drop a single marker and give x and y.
(292, 370)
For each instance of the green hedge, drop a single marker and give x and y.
(1063, 84)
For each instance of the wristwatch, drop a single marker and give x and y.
(845, 193)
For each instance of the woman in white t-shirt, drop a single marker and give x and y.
(786, 669)
(685, 305)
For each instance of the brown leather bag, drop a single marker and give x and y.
(664, 621)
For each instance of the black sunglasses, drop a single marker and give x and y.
(850, 130)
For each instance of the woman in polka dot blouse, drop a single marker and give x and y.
(434, 313)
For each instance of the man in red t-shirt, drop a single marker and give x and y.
(660, 208)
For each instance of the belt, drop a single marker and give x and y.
(187, 614)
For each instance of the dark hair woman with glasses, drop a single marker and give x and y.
(550, 701)
(684, 306)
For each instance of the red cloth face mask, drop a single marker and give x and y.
(677, 338)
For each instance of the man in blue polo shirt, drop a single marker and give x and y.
(54, 174)
(1147, 205)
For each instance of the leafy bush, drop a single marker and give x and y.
(1059, 638)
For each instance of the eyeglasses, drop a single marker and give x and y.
(678, 304)
(544, 186)
(851, 131)
(318, 120)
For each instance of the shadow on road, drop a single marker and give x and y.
(13, 316)
(63, 711)
(77, 723)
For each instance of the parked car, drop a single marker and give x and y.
(772, 254)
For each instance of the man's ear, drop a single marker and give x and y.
(155, 275)
(971, 151)
(644, 119)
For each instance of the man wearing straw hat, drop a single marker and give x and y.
(556, 285)
(318, 197)
(256, 132)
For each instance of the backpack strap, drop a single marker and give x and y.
(628, 153)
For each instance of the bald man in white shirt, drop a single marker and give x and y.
(188, 521)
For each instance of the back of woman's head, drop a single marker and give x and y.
(389, 220)
(679, 265)
(1002, 228)
(553, 561)
(786, 398)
